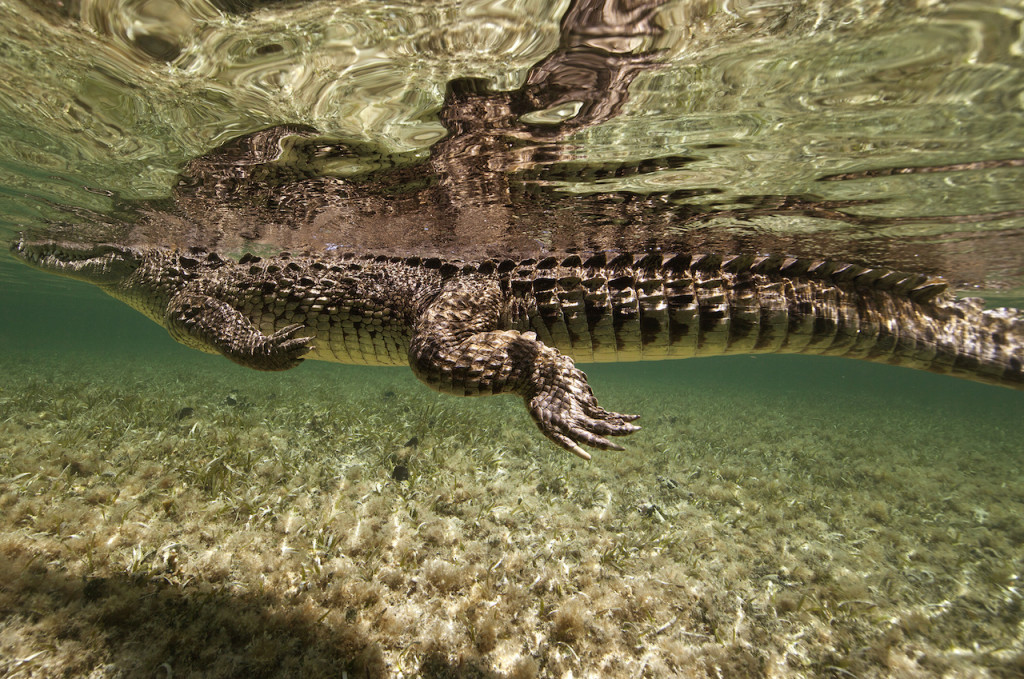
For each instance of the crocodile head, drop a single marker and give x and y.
(101, 264)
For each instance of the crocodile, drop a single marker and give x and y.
(513, 326)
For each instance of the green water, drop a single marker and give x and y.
(167, 513)
(811, 512)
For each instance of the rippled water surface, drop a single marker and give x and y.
(167, 513)
(879, 132)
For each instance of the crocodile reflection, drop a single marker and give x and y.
(490, 188)
(476, 192)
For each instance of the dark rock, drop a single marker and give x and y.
(95, 588)
(400, 473)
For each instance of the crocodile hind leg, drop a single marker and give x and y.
(462, 344)
(214, 326)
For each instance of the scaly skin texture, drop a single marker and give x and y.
(507, 326)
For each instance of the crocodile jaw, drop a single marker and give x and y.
(99, 264)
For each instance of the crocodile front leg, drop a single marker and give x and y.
(461, 345)
(216, 327)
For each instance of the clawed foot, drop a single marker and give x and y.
(566, 411)
(282, 350)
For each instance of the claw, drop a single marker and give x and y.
(287, 351)
(566, 411)
(567, 443)
(286, 332)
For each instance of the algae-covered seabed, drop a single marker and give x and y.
(166, 513)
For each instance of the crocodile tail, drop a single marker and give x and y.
(985, 345)
(654, 306)
(904, 319)
(879, 314)
(928, 329)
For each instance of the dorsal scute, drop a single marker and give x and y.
(621, 282)
(794, 266)
(543, 283)
(928, 290)
(620, 267)
(621, 261)
(677, 263)
(822, 268)
(870, 277)
(767, 264)
(706, 262)
(737, 263)
(918, 287)
(547, 263)
(847, 272)
(652, 261)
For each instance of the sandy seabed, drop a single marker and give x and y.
(182, 517)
